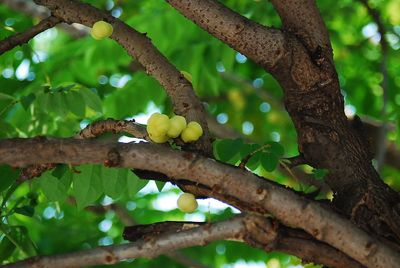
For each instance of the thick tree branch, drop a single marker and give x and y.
(263, 45)
(139, 46)
(22, 38)
(226, 182)
(302, 18)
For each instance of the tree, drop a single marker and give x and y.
(67, 88)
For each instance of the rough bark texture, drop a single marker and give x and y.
(305, 70)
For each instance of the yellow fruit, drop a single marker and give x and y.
(158, 124)
(176, 126)
(187, 75)
(101, 30)
(273, 263)
(187, 203)
(158, 138)
(192, 132)
(237, 99)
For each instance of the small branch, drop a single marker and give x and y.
(227, 183)
(22, 38)
(128, 220)
(144, 248)
(115, 126)
(29, 8)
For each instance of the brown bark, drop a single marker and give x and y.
(305, 70)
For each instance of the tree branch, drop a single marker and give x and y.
(150, 247)
(139, 46)
(21, 38)
(227, 183)
(302, 18)
(115, 126)
(263, 45)
(28, 7)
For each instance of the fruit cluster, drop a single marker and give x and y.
(187, 203)
(101, 30)
(161, 128)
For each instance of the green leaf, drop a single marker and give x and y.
(19, 236)
(57, 102)
(75, 103)
(160, 185)
(248, 149)
(319, 174)
(59, 171)
(27, 100)
(7, 176)
(52, 187)
(254, 161)
(43, 101)
(226, 150)
(4, 96)
(91, 99)
(269, 161)
(134, 184)
(87, 185)
(113, 185)
(276, 148)
(24, 241)
(6, 248)
(25, 210)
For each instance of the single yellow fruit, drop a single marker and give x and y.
(158, 124)
(273, 263)
(235, 96)
(158, 138)
(192, 132)
(187, 203)
(187, 75)
(176, 126)
(101, 30)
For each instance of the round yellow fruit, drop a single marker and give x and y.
(158, 124)
(187, 203)
(176, 126)
(101, 30)
(159, 138)
(273, 263)
(192, 132)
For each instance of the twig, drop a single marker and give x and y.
(21, 38)
(98, 128)
(30, 8)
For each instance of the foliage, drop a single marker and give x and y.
(56, 84)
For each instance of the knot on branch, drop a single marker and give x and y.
(261, 232)
(113, 158)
